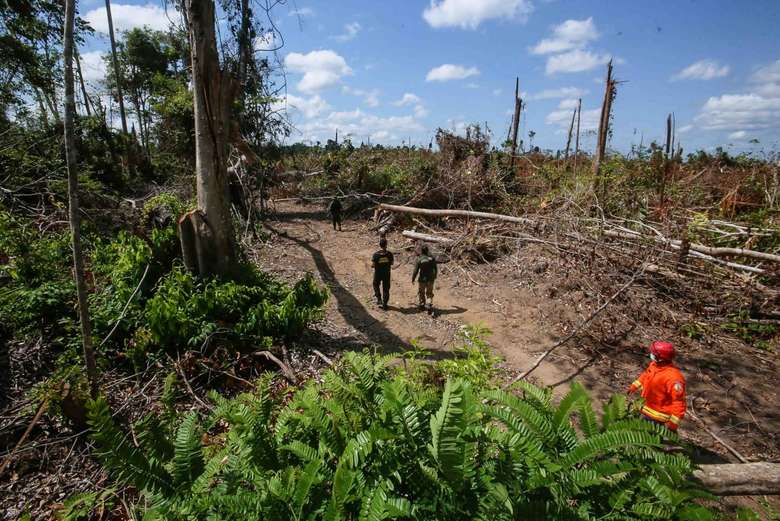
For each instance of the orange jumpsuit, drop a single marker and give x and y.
(663, 388)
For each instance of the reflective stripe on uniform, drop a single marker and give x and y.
(636, 384)
(674, 419)
(657, 415)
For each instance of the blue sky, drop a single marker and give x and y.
(397, 70)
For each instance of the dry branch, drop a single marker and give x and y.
(427, 238)
(455, 213)
(286, 371)
(575, 331)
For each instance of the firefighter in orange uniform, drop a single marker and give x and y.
(662, 385)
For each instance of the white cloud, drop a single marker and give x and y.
(127, 16)
(769, 90)
(577, 60)
(685, 129)
(266, 42)
(359, 124)
(320, 69)
(767, 74)
(420, 111)
(568, 104)
(702, 70)
(589, 119)
(738, 135)
(563, 92)
(449, 72)
(571, 34)
(92, 66)
(303, 11)
(309, 107)
(350, 31)
(407, 99)
(472, 85)
(739, 111)
(497, 92)
(469, 14)
(370, 97)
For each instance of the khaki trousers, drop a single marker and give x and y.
(425, 289)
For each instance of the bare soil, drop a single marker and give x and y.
(529, 301)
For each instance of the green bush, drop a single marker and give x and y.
(366, 443)
(185, 310)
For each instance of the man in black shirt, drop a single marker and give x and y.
(335, 212)
(382, 261)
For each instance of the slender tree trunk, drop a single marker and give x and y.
(214, 92)
(515, 122)
(81, 82)
(117, 71)
(73, 198)
(42, 109)
(139, 114)
(571, 129)
(577, 139)
(606, 106)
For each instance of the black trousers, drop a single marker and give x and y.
(383, 280)
(336, 217)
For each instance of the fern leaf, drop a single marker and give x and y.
(566, 406)
(187, 458)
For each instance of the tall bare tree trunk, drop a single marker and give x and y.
(81, 81)
(571, 129)
(73, 198)
(117, 71)
(577, 139)
(601, 147)
(208, 242)
(515, 122)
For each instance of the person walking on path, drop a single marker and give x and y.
(427, 270)
(335, 212)
(382, 261)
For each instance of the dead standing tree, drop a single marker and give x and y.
(568, 139)
(577, 139)
(604, 129)
(515, 122)
(73, 198)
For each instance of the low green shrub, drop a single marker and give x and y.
(185, 310)
(368, 443)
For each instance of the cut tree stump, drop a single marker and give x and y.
(740, 479)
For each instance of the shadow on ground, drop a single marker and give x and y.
(351, 308)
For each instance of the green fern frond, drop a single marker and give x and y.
(188, 457)
(568, 403)
(605, 442)
(119, 455)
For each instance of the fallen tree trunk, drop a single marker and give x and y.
(740, 479)
(707, 250)
(694, 249)
(455, 213)
(427, 238)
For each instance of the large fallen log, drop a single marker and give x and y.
(695, 249)
(455, 213)
(740, 479)
(707, 250)
(427, 238)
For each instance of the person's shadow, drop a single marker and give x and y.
(353, 311)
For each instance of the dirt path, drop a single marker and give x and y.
(342, 261)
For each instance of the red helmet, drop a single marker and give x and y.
(663, 350)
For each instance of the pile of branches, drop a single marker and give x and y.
(464, 177)
(712, 281)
